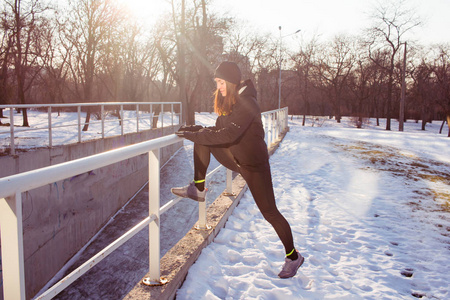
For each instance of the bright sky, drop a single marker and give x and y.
(324, 17)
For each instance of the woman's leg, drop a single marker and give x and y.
(260, 185)
(202, 157)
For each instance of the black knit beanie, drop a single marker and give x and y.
(228, 71)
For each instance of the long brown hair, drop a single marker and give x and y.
(224, 105)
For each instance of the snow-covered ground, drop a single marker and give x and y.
(369, 210)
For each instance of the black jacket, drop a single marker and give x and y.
(241, 131)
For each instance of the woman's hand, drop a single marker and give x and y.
(192, 128)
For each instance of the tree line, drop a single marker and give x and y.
(79, 51)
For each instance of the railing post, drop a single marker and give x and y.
(154, 227)
(229, 189)
(286, 117)
(264, 121)
(180, 118)
(11, 128)
(13, 269)
(277, 124)
(137, 118)
(229, 182)
(201, 225)
(270, 129)
(151, 116)
(171, 112)
(280, 122)
(103, 120)
(50, 126)
(79, 123)
(162, 116)
(121, 119)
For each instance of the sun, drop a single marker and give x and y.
(148, 11)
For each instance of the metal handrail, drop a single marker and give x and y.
(275, 122)
(79, 123)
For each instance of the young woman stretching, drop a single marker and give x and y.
(237, 142)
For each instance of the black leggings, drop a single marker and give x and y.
(259, 183)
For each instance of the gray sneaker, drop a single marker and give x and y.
(190, 191)
(290, 266)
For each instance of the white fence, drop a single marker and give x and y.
(12, 187)
(166, 107)
(275, 122)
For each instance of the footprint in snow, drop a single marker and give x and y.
(305, 282)
(408, 272)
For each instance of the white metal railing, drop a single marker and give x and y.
(12, 187)
(140, 106)
(275, 122)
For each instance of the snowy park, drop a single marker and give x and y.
(369, 210)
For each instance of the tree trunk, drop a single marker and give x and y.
(424, 123)
(448, 124)
(20, 74)
(442, 126)
(86, 121)
(182, 64)
(306, 112)
(389, 98)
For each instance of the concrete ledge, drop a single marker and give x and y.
(177, 261)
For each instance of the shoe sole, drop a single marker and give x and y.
(192, 198)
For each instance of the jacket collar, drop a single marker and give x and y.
(247, 89)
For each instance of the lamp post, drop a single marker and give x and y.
(279, 79)
(402, 99)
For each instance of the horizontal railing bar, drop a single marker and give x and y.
(75, 124)
(169, 205)
(83, 104)
(25, 129)
(214, 171)
(47, 175)
(271, 111)
(74, 275)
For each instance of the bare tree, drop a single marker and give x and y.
(54, 62)
(185, 48)
(441, 71)
(6, 43)
(200, 68)
(362, 82)
(392, 20)
(141, 64)
(27, 21)
(257, 57)
(87, 27)
(422, 91)
(304, 64)
(334, 70)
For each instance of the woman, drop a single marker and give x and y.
(237, 142)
